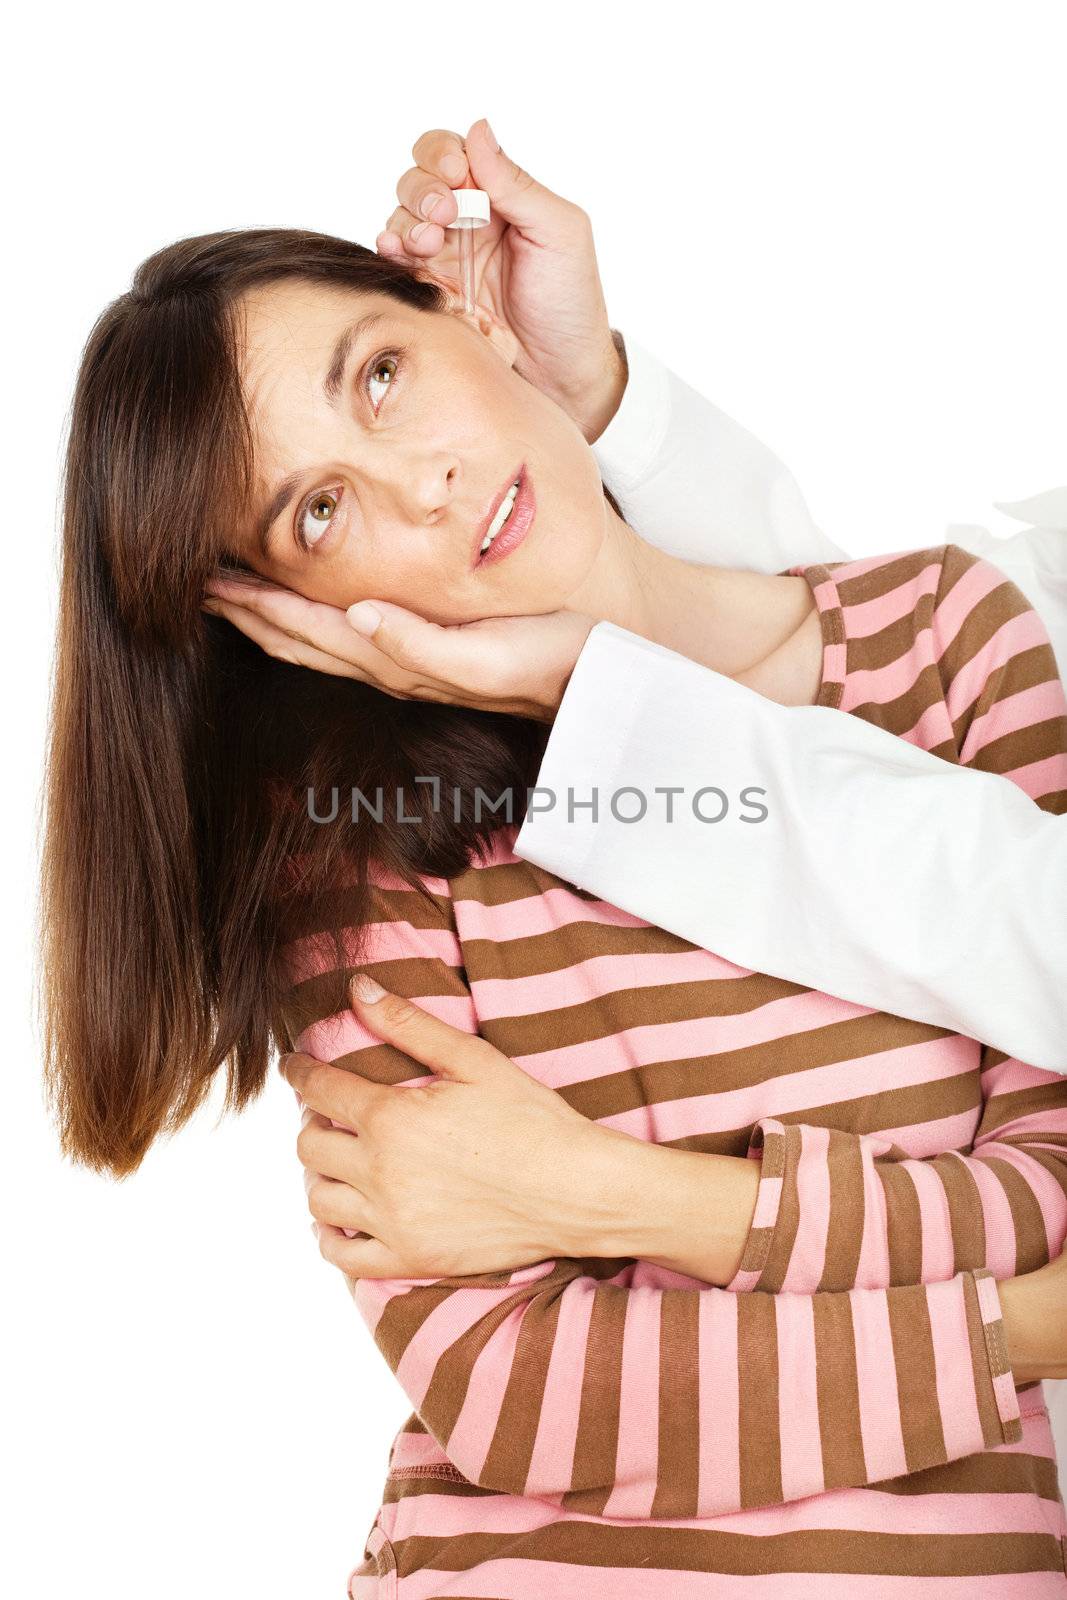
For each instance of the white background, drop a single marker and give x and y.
(843, 222)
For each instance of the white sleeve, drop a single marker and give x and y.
(697, 484)
(861, 878)
(909, 928)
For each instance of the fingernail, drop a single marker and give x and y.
(366, 989)
(417, 230)
(364, 617)
(454, 168)
(429, 203)
(494, 143)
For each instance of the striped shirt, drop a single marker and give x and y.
(839, 1419)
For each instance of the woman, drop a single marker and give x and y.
(186, 878)
(701, 487)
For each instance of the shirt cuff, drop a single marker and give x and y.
(634, 437)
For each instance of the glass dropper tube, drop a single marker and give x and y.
(466, 268)
(472, 212)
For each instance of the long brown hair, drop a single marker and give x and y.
(180, 850)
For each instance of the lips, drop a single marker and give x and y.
(515, 527)
(487, 520)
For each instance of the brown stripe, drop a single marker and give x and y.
(680, 1418)
(857, 1040)
(759, 1436)
(881, 580)
(966, 1218)
(597, 1444)
(1031, 1246)
(1002, 1108)
(904, 1223)
(875, 651)
(772, 1247)
(984, 1473)
(626, 1545)
(1022, 746)
(844, 1464)
(511, 1451)
(844, 1234)
(913, 1355)
(977, 629)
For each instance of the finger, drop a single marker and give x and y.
(456, 1053)
(280, 645)
(341, 1204)
(434, 655)
(443, 152)
(359, 1258)
(419, 237)
(343, 1096)
(338, 1153)
(319, 628)
(517, 197)
(425, 197)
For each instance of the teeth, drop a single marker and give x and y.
(501, 517)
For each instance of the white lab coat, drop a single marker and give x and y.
(959, 918)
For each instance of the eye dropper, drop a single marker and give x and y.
(473, 213)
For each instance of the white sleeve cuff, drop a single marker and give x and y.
(632, 440)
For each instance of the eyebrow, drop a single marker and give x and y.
(331, 385)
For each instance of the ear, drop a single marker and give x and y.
(483, 321)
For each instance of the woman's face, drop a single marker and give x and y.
(391, 474)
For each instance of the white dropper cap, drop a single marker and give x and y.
(472, 212)
(473, 208)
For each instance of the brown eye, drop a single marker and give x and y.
(385, 363)
(316, 517)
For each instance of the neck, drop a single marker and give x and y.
(724, 618)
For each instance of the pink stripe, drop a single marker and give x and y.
(798, 1400)
(938, 1250)
(808, 1257)
(1040, 703)
(550, 1580)
(343, 1034)
(712, 1036)
(844, 571)
(847, 1510)
(768, 1199)
(881, 685)
(970, 589)
(988, 1299)
(552, 1460)
(581, 981)
(997, 1219)
(1012, 638)
(940, 1134)
(719, 1477)
(1046, 1191)
(469, 1442)
(868, 617)
(385, 941)
(416, 1450)
(449, 1321)
(934, 727)
(1007, 1077)
(872, 1268)
(879, 1401)
(540, 912)
(1039, 778)
(798, 1091)
(637, 1457)
(956, 1396)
